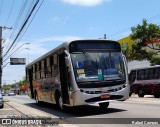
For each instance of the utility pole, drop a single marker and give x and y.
(105, 36)
(1, 49)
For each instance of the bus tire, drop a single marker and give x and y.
(156, 95)
(104, 105)
(140, 93)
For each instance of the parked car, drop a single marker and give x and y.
(3, 94)
(11, 94)
(1, 101)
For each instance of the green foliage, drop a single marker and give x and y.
(155, 60)
(7, 87)
(145, 33)
(124, 47)
(142, 51)
(22, 82)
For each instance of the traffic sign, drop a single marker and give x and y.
(17, 61)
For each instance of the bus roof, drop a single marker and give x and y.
(155, 66)
(63, 45)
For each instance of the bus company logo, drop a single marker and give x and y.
(6, 121)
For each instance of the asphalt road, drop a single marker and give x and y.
(147, 107)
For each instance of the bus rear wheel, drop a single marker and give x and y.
(104, 105)
(140, 93)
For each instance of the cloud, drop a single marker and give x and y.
(85, 2)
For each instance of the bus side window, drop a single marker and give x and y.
(146, 74)
(140, 75)
(151, 73)
(33, 72)
(154, 73)
(48, 68)
(55, 65)
(158, 73)
(42, 69)
(38, 75)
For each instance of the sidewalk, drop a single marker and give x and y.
(149, 99)
(13, 109)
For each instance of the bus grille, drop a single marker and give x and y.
(112, 97)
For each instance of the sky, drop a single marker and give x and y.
(59, 21)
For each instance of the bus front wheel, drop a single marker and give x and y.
(104, 105)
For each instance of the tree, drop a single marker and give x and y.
(7, 87)
(145, 48)
(22, 82)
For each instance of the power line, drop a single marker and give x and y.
(32, 2)
(127, 28)
(27, 27)
(10, 12)
(24, 24)
(14, 52)
(31, 20)
(16, 22)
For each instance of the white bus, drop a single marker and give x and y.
(145, 81)
(79, 73)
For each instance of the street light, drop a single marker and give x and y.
(15, 51)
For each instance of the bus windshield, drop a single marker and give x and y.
(96, 66)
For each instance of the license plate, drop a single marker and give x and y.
(105, 96)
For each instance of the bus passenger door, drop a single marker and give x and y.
(64, 79)
(31, 83)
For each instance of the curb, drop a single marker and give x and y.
(6, 100)
(21, 107)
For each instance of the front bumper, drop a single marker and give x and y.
(82, 98)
